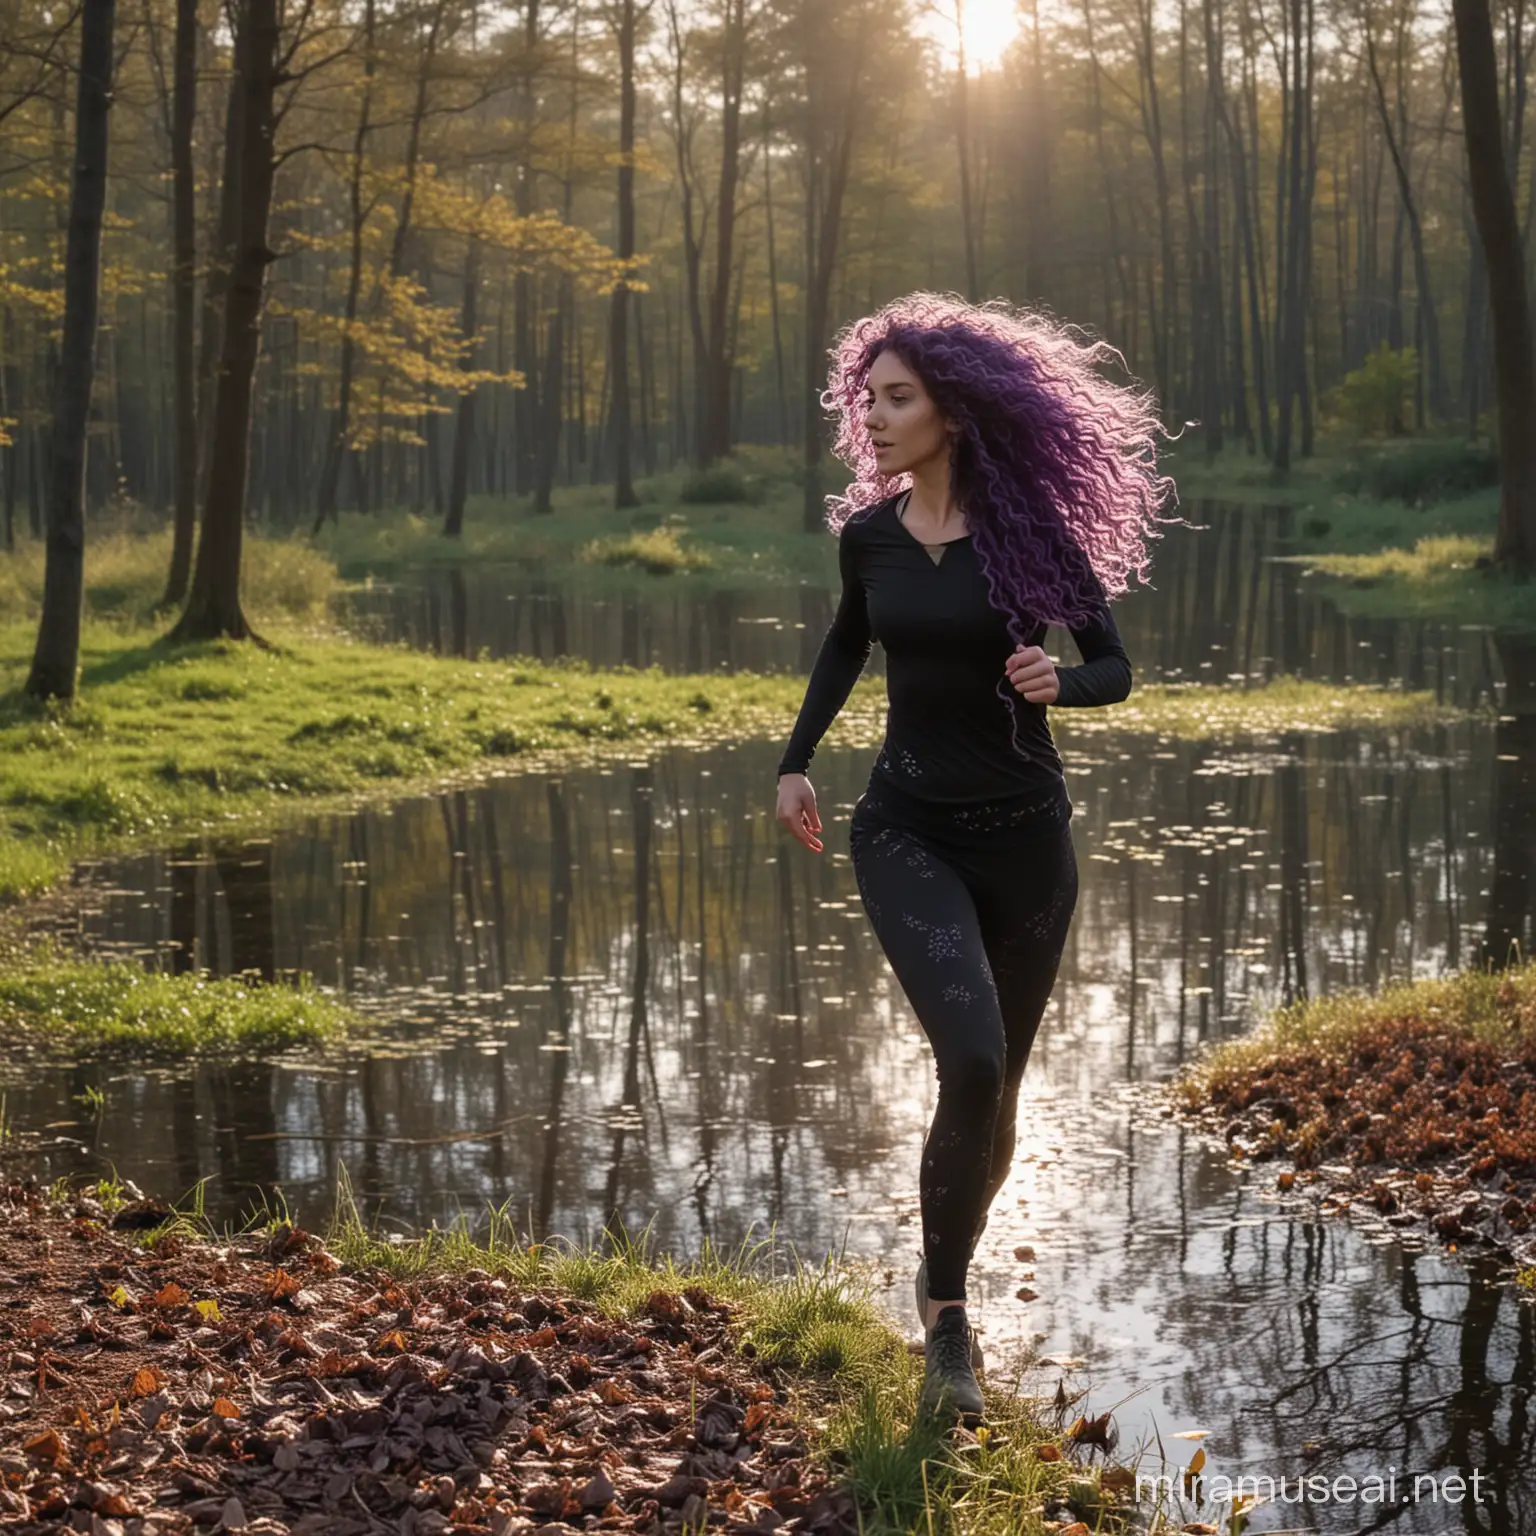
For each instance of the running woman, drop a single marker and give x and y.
(1002, 485)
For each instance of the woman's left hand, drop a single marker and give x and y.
(1033, 674)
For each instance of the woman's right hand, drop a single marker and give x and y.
(797, 809)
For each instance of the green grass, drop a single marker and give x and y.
(52, 1003)
(1444, 576)
(736, 525)
(1236, 475)
(1212, 712)
(167, 742)
(661, 552)
(1491, 1007)
(125, 572)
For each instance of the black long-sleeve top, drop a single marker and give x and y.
(953, 716)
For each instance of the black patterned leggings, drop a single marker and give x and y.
(971, 905)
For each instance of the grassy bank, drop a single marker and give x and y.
(164, 742)
(125, 572)
(1443, 577)
(736, 525)
(1415, 1103)
(54, 1004)
(727, 1388)
(1401, 530)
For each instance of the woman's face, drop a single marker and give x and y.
(901, 418)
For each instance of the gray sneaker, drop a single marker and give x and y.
(949, 1383)
(978, 1361)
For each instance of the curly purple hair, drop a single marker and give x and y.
(1054, 464)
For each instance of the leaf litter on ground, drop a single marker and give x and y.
(257, 1386)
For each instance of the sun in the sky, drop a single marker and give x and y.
(988, 26)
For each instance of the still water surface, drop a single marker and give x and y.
(623, 993)
(1219, 605)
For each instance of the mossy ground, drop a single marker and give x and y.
(1494, 1008)
(56, 1004)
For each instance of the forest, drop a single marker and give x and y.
(414, 477)
(465, 250)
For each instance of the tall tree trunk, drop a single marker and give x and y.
(1308, 318)
(1245, 265)
(1342, 181)
(525, 400)
(644, 362)
(1398, 152)
(213, 609)
(1165, 331)
(618, 321)
(464, 433)
(373, 484)
(1035, 190)
(827, 156)
(1211, 342)
(715, 424)
(549, 436)
(1290, 341)
(552, 396)
(184, 299)
(1124, 271)
(10, 400)
(780, 383)
(58, 633)
(216, 287)
(1474, 324)
(1493, 203)
(341, 419)
(693, 256)
(963, 145)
